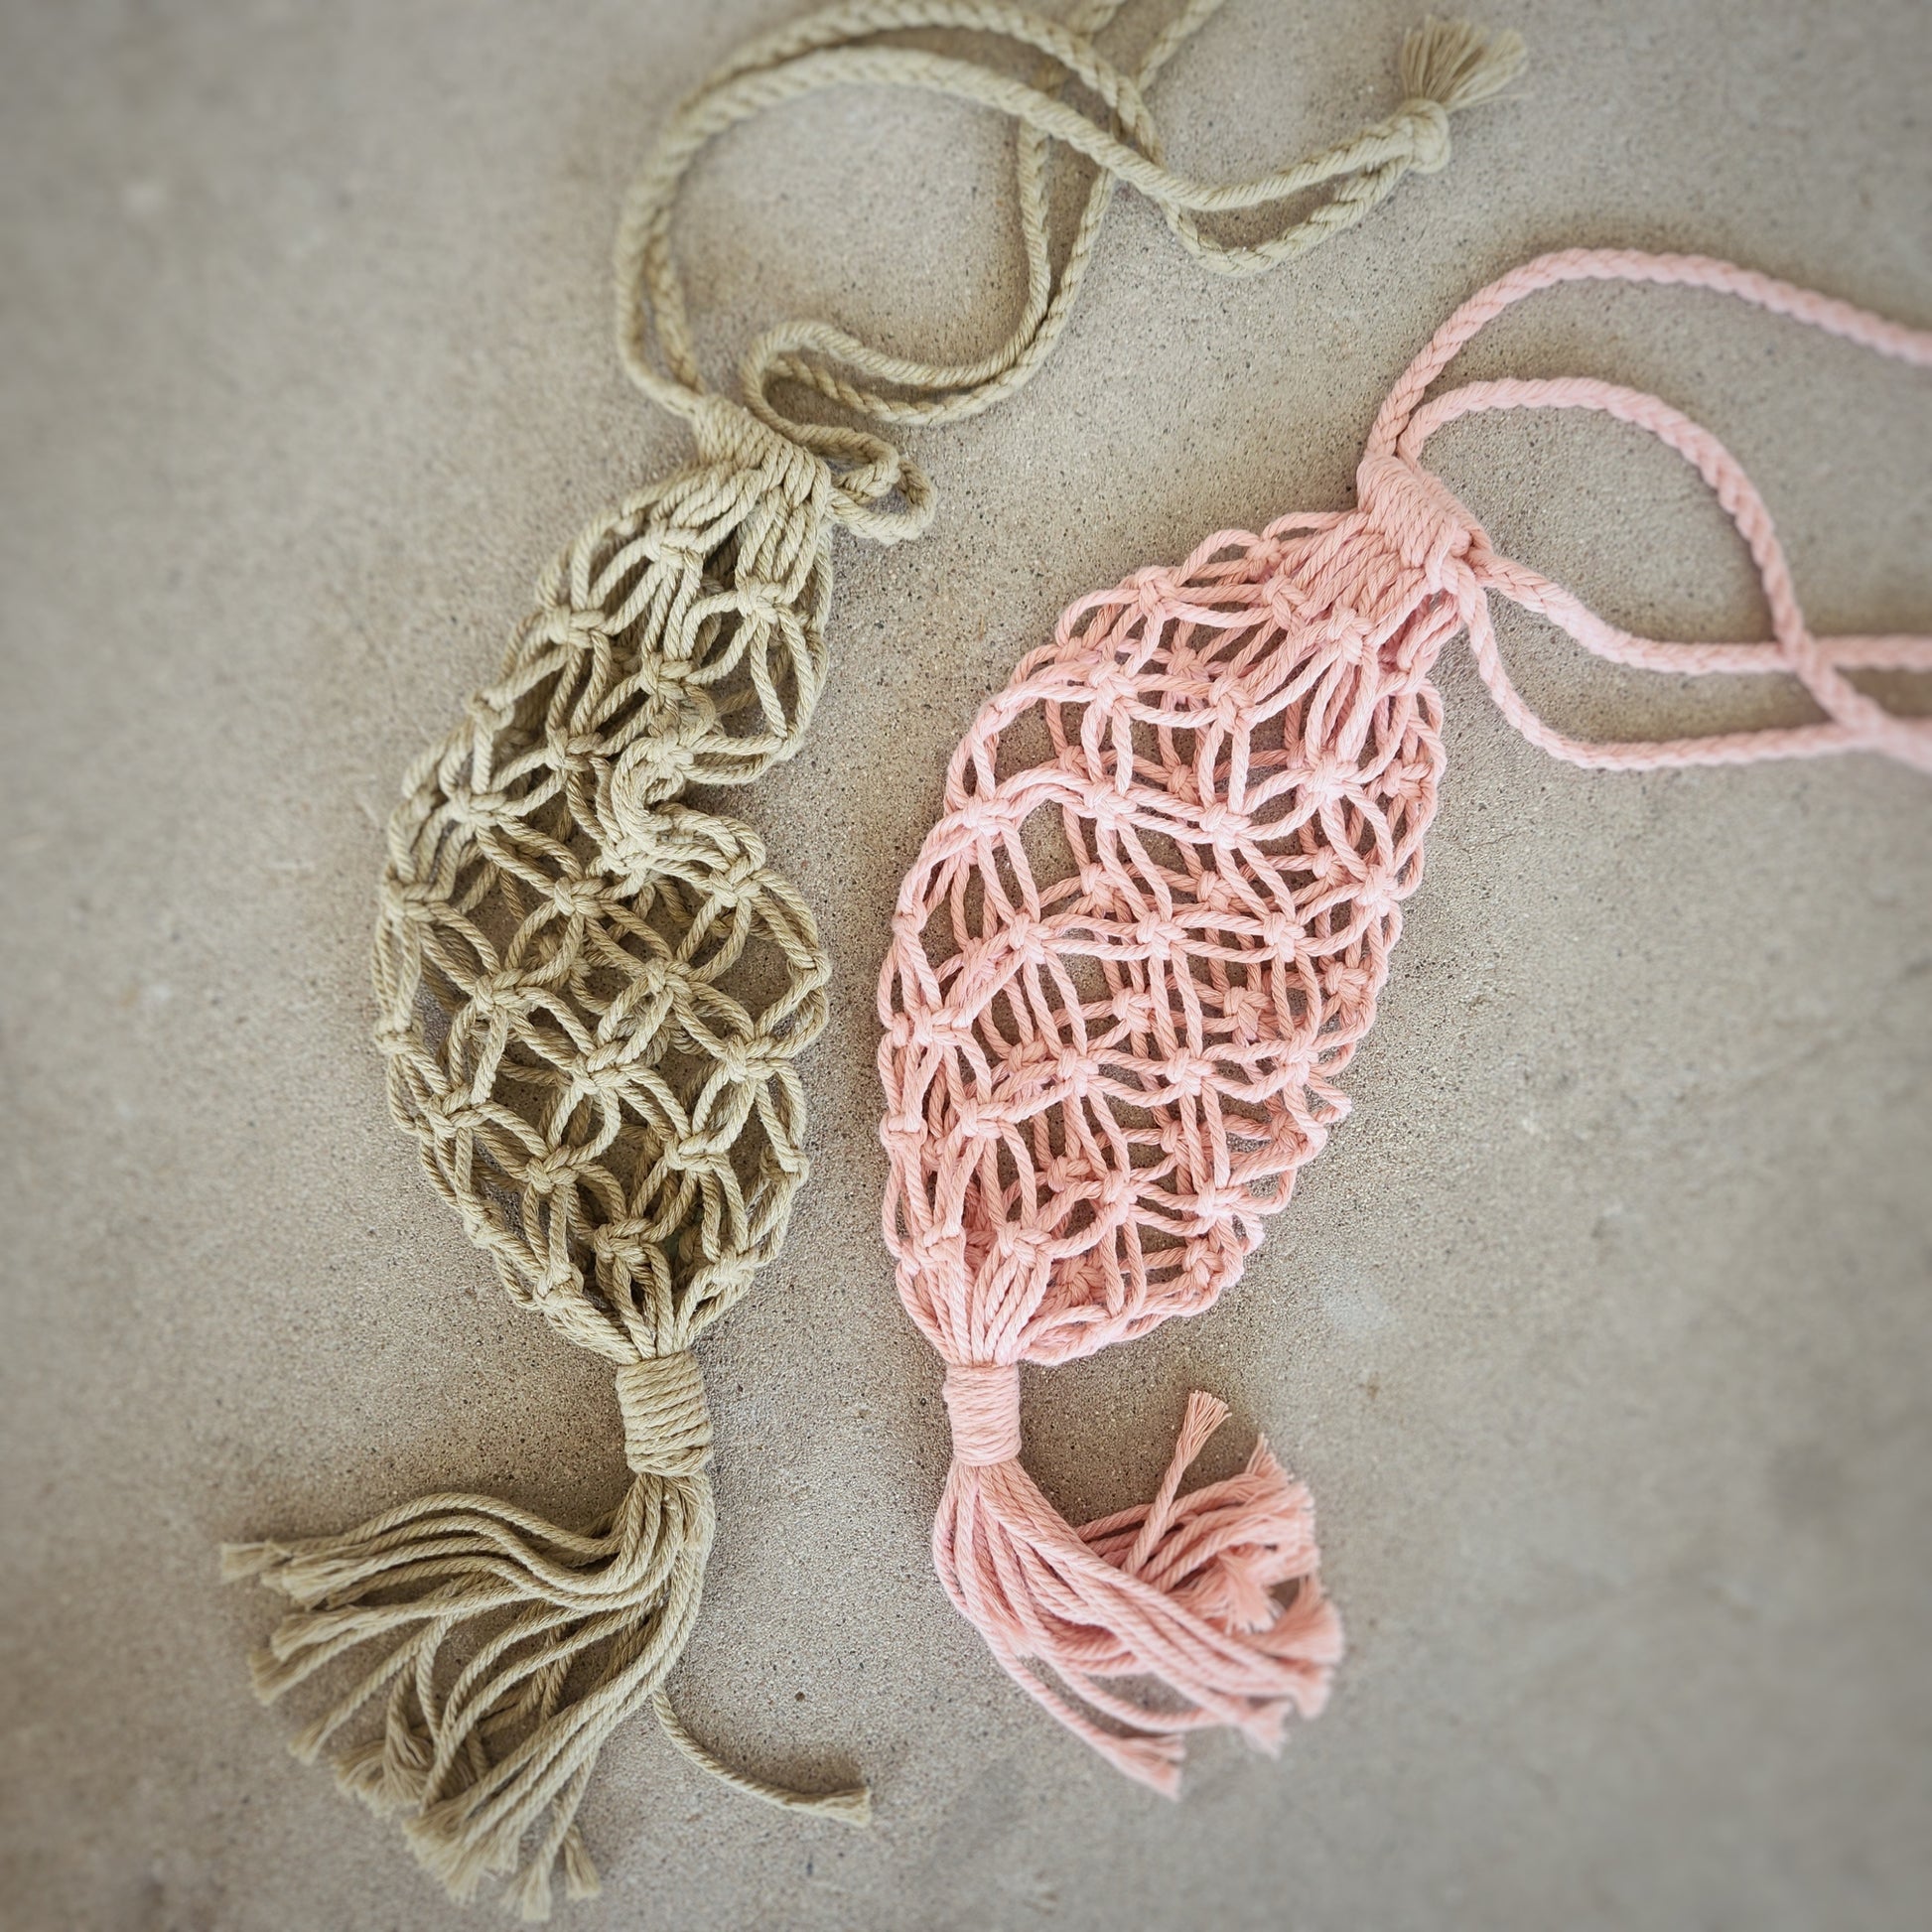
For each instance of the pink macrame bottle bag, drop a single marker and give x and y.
(1138, 953)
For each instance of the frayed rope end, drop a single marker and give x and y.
(242, 1562)
(1457, 64)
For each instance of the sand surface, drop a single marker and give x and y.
(1601, 1331)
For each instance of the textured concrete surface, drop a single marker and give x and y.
(1601, 1331)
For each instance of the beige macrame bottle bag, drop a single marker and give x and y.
(593, 995)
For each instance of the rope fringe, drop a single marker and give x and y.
(850, 1805)
(1179, 1590)
(510, 1651)
(1450, 62)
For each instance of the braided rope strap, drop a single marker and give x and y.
(1137, 954)
(593, 993)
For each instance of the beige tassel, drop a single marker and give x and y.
(513, 1650)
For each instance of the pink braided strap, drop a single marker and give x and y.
(1137, 953)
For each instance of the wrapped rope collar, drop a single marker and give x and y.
(1130, 968)
(593, 993)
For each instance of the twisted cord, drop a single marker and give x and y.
(1129, 970)
(1854, 721)
(1445, 68)
(851, 1805)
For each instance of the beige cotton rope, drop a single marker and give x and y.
(592, 993)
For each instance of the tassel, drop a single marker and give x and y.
(1179, 1591)
(1448, 66)
(513, 1650)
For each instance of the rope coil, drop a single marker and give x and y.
(591, 993)
(983, 1403)
(666, 1422)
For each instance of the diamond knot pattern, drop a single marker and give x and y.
(1147, 938)
(592, 994)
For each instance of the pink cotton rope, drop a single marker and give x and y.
(1137, 951)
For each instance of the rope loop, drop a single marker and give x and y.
(1853, 720)
(879, 494)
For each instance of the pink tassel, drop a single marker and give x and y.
(1179, 1591)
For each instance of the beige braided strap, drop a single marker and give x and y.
(666, 1423)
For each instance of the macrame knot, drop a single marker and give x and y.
(666, 1421)
(1425, 526)
(1426, 124)
(729, 434)
(983, 1400)
(654, 769)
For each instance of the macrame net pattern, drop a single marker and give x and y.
(1227, 829)
(1141, 946)
(592, 991)
(592, 996)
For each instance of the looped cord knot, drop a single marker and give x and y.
(667, 1420)
(1427, 124)
(983, 1400)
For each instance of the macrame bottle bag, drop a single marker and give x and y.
(593, 993)
(1137, 951)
